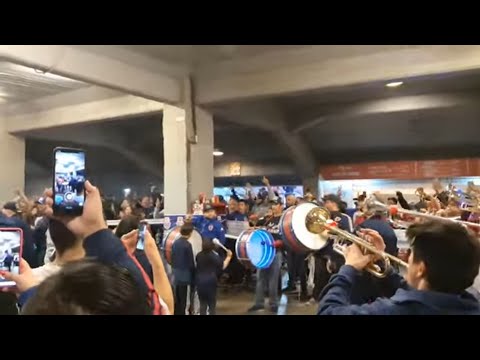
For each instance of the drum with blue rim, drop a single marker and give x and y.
(294, 231)
(255, 248)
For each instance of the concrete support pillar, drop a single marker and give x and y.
(188, 168)
(311, 184)
(12, 158)
(201, 172)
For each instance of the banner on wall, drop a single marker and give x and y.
(403, 170)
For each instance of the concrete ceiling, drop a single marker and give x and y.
(198, 55)
(303, 104)
(20, 83)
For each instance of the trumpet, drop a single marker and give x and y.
(317, 221)
(373, 202)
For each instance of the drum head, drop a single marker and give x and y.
(304, 236)
(260, 249)
(196, 241)
(174, 234)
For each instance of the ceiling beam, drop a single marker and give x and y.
(315, 116)
(111, 140)
(40, 115)
(311, 70)
(85, 65)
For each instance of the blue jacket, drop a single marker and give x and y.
(28, 250)
(183, 263)
(108, 249)
(406, 301)
(210, 229)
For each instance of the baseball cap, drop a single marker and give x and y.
(333, 198)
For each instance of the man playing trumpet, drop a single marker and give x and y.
(443, 263)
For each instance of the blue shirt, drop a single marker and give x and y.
(210, 229)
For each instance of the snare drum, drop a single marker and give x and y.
(294, 232)
(172, 235)
(254, 248)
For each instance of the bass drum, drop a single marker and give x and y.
(172, 235)
(294, 231)
(255, 248)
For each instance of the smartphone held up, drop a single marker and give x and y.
(142, 230)
(11, 244)
(68, 181)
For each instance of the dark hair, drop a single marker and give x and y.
(127, 224)
(186, 229)
(62, 238)
(393, 199)
(88, 287)
(451, 254)
(242, 201)
(207, 244)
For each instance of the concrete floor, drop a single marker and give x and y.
(238, 301)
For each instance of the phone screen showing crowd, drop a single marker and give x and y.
(69, 181)
(10, 245)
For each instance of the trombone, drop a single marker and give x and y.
(393, 210)
(317, 221)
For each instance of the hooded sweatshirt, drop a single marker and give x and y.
(406, 301)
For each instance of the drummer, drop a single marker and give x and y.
(269, 278)
(208, 226)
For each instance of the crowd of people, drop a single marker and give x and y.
(80, 266)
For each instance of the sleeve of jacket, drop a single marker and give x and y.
(25, 296)
(347, 223)
(197, 221)
(108, 249)
(336, 295)
(220, 233)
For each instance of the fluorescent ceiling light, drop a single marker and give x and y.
(217, 153)
(394, 83)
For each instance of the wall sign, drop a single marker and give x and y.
(403, 169)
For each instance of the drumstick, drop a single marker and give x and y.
(218, 243)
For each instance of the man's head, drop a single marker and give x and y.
(290, 200)
(276, 206)
(209, 212)
(62, 238)
(146, 202)
(126, 225)
(445, 257)
(242, 206)
(332, 202)
(233, 204)
(10, 209)
(88, 287)
(186, 230)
